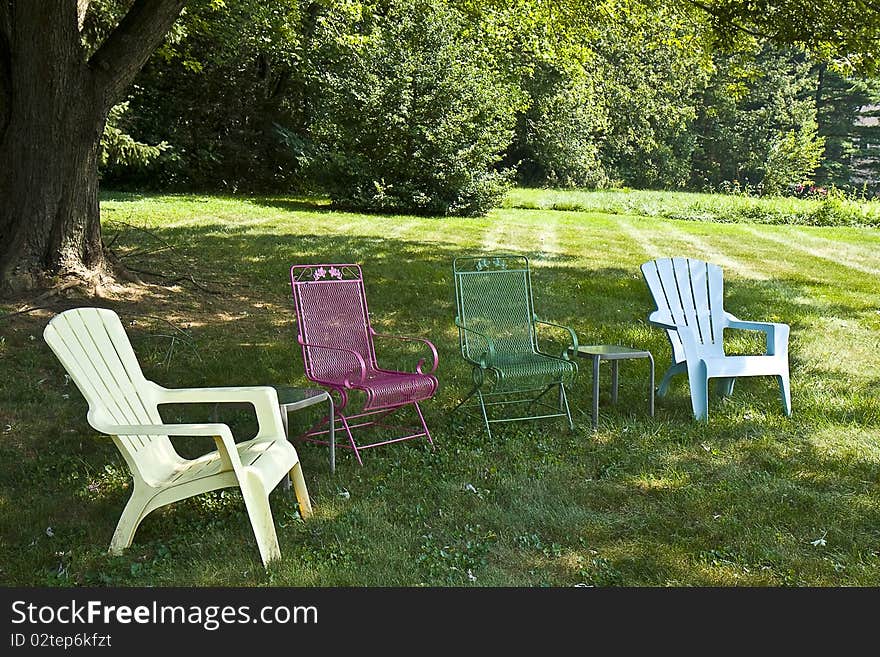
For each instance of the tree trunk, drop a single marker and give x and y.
(49, 217)
(53, 105)
(49, 222)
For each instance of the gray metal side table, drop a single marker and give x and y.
(615, 354)
(294, 399)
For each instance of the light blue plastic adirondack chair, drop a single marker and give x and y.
(689, 296)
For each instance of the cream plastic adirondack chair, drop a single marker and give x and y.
(94, 349)
(689, 296)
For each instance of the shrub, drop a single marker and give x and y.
(408, 112)
(792, 159)
(213, 91)
(840, 209)
(119, 150)
(757, 123)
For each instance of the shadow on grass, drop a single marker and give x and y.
(311, 205)
(321, 205)
(642, 493)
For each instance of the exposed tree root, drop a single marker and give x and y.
(129, 272)
(32, 291)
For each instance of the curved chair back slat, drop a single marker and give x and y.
(689, 292)
(92, 345)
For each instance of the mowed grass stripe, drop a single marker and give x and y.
(824, 251)
(743, 499)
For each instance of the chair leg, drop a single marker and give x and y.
(424, 425)
(302, 493)
(256, 501)
(135, 511)
(699, 385)
(615, 368)
(595, 418)
(485, 415)
(351, 438)
(564, 399)
(725, 386)
(663, 388)
(785, 392)
(466, 397)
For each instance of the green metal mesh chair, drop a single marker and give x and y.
(497, 335)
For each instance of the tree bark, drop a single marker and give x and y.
(53, 106)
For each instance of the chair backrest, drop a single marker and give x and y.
(493, 295)
(689, 292)
(92, 345)
(331, 310)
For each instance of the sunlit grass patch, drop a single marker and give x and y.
(750, 498)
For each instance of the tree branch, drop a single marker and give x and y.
(722, 19)
(128, 47)
(168, 280)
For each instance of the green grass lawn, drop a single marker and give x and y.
(751, 498)
(835, 209)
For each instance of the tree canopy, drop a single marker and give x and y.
(846, 32)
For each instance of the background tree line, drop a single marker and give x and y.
(425, 105)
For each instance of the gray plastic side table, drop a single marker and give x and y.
(615, 354)
(294, 399)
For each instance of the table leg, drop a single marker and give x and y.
(614, 365)
(285, 483)
(596, 392)
(651, 388)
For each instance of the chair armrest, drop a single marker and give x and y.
(263, 398)
(195, 429)
(574, 338)
(264, 395)
(777, 333)
(360, 359)
(689, 343)
(490, 345)
(407, 338)
(219, 432)
(663, 320)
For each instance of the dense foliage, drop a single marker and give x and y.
(431, 106)
(757, 124)
(406, 111)
(214, 92)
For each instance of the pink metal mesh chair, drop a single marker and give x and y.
(338, 353)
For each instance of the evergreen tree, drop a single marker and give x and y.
(757, 126)
(846, 110)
